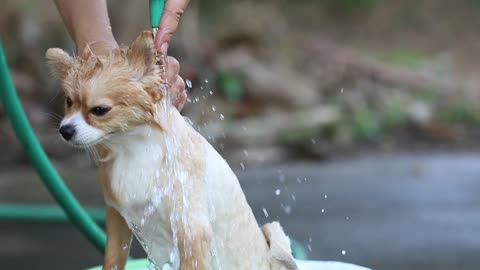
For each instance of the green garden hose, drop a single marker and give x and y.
(70, 209)
(156, 10)
(44, 213)
(40, 162)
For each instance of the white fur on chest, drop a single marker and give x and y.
(140, 184)
(137, 167)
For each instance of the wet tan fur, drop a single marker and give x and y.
(128, 81)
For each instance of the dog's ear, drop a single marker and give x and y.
(59, 61)
(142, 52)
(142, 55)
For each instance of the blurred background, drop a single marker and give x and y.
(353, 122)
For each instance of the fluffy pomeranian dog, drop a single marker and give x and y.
(161, 180)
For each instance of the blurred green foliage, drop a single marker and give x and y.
(425, 94)
(394, 115)
(461, 111)
(366, 125)
(231, 85)
(404, 57)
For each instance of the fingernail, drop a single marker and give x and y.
(164, 48)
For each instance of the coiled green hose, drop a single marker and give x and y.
(74, 212)
(57, 188)
(40, 162)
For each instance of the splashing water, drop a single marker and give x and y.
(188, 83)
(287, 209)
(170, 191)
(265, 212)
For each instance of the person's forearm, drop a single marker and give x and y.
(88, 23)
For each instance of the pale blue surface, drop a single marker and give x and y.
(302, 265)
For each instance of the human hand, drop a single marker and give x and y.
(168, 25)
(176, 85)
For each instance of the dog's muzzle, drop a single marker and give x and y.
(67, 131)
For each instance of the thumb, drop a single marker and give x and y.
(172, 13)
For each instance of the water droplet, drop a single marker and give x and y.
(210, 92)
(196, 100)
(222, 117)
(325, 196)
(323, 210)
(206, 80)
(188, 83)
(313, 141)
(341, 90)
(347, 218)
(265, 212)
(281, 178)
(344, 252)
(213, 108)
(189, 121)
(309, 247)
(277, 192)
(287, 209)
(294, 198)
(242, 165)
(245, 152)
(244, 128)
(310, 239)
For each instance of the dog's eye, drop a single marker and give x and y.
(69, 102)
(99, 110)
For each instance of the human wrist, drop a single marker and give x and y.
(98, 44)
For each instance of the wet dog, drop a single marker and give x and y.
(161, 180)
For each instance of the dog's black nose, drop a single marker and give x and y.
(67, 131)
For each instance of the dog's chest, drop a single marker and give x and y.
(142, 185)
(137, 175)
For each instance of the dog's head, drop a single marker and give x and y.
(105, 95)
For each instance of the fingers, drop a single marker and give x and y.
(173, 68)
(168, 25)
(177, 92)
(176, 84)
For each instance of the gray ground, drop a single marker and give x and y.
(386, 212)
